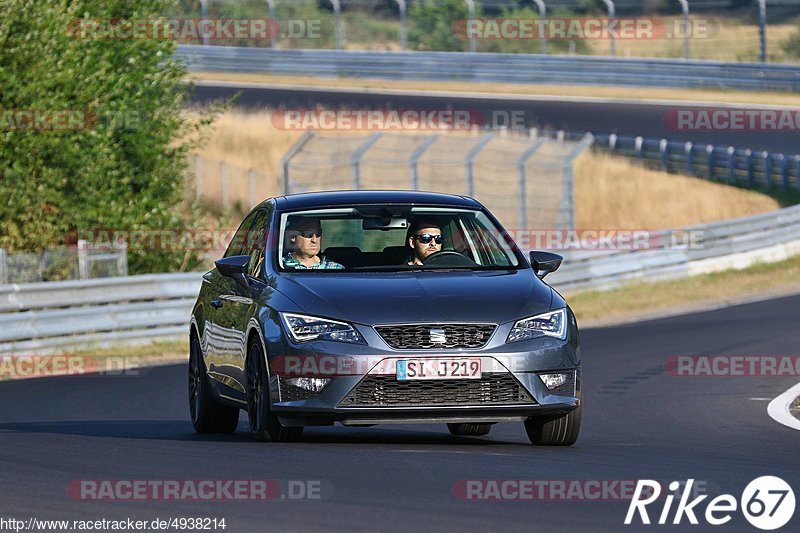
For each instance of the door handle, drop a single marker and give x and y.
(216, 304)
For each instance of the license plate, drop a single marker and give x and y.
(409, 369)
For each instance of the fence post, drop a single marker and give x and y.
(83, 260)
(567, 196)
(543, 36)
(470, 160)
(471, 8)
(413, 162)
(686, 30)
(204, 17)
(337, 22)
(731, 164)
(751, 177)
(611, 14)
(523, 182)
(356, 161)
(198, 184)
(689, 149)
(663, 147)
(762, 28)
(287, 159)
(3, 266)
(274, 29)
(401, 5)
(223, 180)
(251, 176)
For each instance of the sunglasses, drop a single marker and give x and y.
(307, 234)
(425, 238)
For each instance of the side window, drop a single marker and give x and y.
(256, 243)
(237, 245)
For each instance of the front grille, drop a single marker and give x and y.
(292, 393)
(418, 336)
(386, 391)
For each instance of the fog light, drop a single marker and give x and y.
(310, 384)
(552, 381)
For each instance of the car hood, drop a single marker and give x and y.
(453, 296)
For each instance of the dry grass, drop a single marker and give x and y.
(610, 192)
(615, 193)
(628, 93)
(726, 40)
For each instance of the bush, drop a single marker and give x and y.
(123, 166)
(792, 45)
(431, 25)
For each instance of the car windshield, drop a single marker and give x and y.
(392, 237)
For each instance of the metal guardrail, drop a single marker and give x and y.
(46, 316)
(728, 164)
(488, 67)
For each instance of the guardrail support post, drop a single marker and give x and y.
(710, 161)
(663, 148)
(523, 182)
(3, 266)
(414, 161)
(762, 28)
(767, 168)
(83, 260)
(689, 149)
(612, 142)
(401, 5)
(612, 14)
(359, 152)
(122, 259)
(543, 36)
(731, 164)
(638, 145)
(470, 162)
(287, 160)
(686, 27)
(797, 172)
(785, 171)
(471, 7)
(751, 177)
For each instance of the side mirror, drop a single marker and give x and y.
(545, 262)
(234, 267)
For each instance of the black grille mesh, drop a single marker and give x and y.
(292, 393)
(386, 391)
(418, 336)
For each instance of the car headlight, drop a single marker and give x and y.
(303, 328)
(550, 324)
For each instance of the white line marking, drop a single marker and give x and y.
(778, 408)
(761, 399)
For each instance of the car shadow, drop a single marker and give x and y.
(181, 430)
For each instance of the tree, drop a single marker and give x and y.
(120, 162)
(433, 24)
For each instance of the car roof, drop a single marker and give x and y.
(335, 198)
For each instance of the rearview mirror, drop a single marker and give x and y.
(234, 267)
(545, 262)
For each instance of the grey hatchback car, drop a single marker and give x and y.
(418, 308)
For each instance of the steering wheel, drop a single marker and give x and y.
(448, 258)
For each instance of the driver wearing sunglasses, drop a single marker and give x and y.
(304, 236)
(424, 238)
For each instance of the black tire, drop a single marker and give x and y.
(469, 430)
(555, 431)
(264, 425)
(208, 415)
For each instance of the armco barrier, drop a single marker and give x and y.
(496, 68)
(46, 316)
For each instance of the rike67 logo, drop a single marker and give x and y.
(767, 503)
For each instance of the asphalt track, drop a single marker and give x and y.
(639, 422)
(601, 117)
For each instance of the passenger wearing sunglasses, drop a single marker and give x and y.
(424, 238)
(304, 236)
